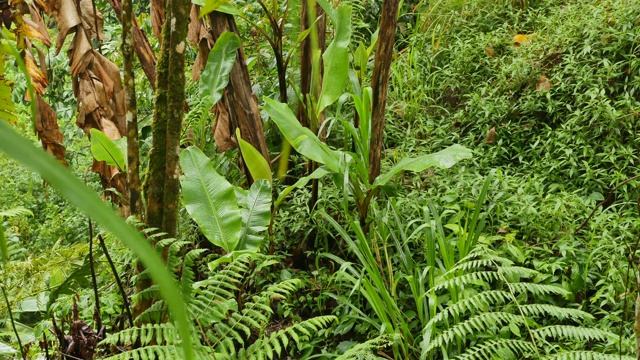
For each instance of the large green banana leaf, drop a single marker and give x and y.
(210, 199)
(256, 215)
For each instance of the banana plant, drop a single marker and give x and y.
(229, 216)
(350, 170)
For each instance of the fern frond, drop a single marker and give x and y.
(146, 334)
(478, 323)
(17, 211)
(587, 355)
(572, 332)
(479, 302)
(467, 279)
(538, 289)
(279, 340)
(561, 313)
(518, 271)
(489, 349)
(364, 351)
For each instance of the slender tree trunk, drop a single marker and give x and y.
(140, 43)
(241, 102)
(162, 184)
(133, 151)
(380, 82)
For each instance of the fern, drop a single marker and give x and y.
(17, 211)
(509, 309)
(228, 323)
(364, 351)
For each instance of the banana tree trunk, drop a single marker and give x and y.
(239, 99)
(380, 81)
(140, 43)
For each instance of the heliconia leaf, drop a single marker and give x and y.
(104, 149)
(256, 215)
(256, 163)
(210, 199)
(216, 73)
(444, 159)
(302, 139)
(336, 60)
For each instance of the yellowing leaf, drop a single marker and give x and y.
(520, 39)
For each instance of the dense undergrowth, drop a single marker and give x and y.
(496, 257)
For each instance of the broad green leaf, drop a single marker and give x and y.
(209, 5)
(336, 60)
(226, 8)
(302, 139)
(328, 9)
(216, 73)
(256, 163)
(210, 199)
(88, 201)
(320, 172)
(104, 149)
(256, 215)
(444, 159)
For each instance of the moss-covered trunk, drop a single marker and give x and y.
(162, 187)
(133, 151)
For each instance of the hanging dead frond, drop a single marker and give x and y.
(96, 84)
(29, 27)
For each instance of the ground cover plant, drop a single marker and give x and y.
(319, 179)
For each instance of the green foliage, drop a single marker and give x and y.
(228, 216)
(105, 149)
(225, 316)
(84, 198)
(349, 170)
(258, 166)
(336, 59)
(215, 76)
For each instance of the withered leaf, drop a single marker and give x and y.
(491, 136)
(544, 84)
(222, 129)
(67, 18)
(39, 79)
(520, 39)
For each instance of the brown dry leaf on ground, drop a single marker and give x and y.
(520, 39)
(491, 136)
(544, 84)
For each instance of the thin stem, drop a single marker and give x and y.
(13, 324)
(94, 281)
(125, 299)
